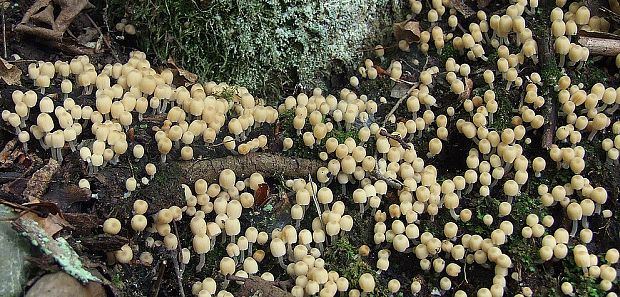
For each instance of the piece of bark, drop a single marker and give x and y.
(38, 183)
(599, 43)
(104, 242)
(87, 222)
(256, 286)
(265, 163)
(463, 8)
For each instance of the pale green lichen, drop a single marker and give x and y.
(59, 249)
(262, 44)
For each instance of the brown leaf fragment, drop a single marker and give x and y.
(10, 74)
(463, 8)
(38, 183)
(186, 77)
(65, 195)
(407, 30)
(50, 224)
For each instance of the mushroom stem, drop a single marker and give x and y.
(597, 208)
(361, 209)
(25, 144)
(43, 145)
(249, 248)
(59, 155)
(575, 227)
(72, 146)
(320, 245)
(213, 242)
(201, 264)
(232, 239)
(163, 158)
(297, 222)
(225, 283)
(42, 90)
(453, 214)
(281, 262)
(507, 167)
(584, 222)
(591, 136)
(510, 199)
(469, 188)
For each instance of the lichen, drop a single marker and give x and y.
(261, 44)
(59, 249)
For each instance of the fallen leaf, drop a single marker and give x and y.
(65, 195)
(407, 30)
(50, 224)
(186, 76)
(9, 73)
(463, 8)
(261, 194)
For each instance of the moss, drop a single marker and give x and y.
(343, 258)
(585, 286)
(503, 117)
(261, 44)
(448, 51)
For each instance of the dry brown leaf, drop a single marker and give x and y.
(9, 73)
(38, 183)
(407, 30)
(187, 77)
(463, 8)
(51, 224)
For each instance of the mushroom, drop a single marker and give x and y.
(278, 250)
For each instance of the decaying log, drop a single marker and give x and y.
(266, 163)
(599, 43)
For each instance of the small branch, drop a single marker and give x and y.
(4, 33)
(160, 277)
(396, 138)
(392, 183)
(398, 103)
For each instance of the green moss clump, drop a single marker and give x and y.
(260, 44)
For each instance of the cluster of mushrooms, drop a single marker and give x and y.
(496, 163)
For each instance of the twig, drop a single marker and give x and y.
(4, 33)
(160, 276)
(392, 183)
(393, 110)
(105, 40)
(385, 133)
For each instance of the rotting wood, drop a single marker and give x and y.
(267, 164)
(40, 180)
